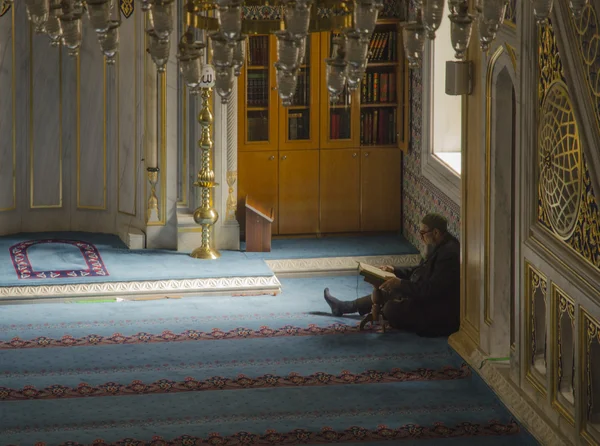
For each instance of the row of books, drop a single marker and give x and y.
(302, 94)
(339, 126)
(258, 51)
(378, 127)
(378, 87)
(299, 125)
(383, 46)
(258, 88)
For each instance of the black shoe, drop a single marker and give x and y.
(338, 307)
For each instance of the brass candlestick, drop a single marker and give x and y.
(152, 209)
(206, 215)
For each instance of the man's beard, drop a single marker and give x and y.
(428, 250)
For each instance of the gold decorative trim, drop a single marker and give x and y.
(561, 303)
(4, 10)
(512, 53)
(180, 286)
(557, 97)
(32, 204)
(534, 279)
(14, 111)
(489, 79)
(291, 267)
(508, 392)
(127, 8)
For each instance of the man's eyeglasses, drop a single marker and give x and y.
(425, 232)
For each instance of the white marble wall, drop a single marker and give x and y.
(77, 128)
(7, 118)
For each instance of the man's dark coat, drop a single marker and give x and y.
(428, 299)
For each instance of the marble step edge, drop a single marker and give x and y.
(337, 265)
(173, 287)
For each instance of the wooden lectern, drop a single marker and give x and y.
(258, 227)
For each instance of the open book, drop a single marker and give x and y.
(374, 275)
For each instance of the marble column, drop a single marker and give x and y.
(228, 228)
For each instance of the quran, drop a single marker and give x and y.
(375, 276)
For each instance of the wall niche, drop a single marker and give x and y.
(536, 290)
(563, 394)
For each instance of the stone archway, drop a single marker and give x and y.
(500, 221)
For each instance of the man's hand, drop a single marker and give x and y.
(388, 268)
(390, 285)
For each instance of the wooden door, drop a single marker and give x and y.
(381, 193)
(299, 192)
(340, 190)
(258, 179)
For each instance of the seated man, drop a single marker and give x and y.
(424, 299)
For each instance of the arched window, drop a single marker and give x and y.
(442, 116)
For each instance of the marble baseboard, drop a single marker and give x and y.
(515, 400)
(229, 285)
(336, 265)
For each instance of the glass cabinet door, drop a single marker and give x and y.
(256, 97)
(340, 119)
(299, 121)
(381, 90)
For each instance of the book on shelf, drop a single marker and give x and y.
(378, 126)
(383, 46)
(378, 87)
(375, 276)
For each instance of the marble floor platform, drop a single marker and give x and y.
(37, 268)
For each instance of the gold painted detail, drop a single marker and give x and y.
(231, 198)
(4, 8)
(510, 16)
(587, 29)
(205, 215)
(584, 238)
(152, 211)
(559, 160)
(126, 7)
(549, 61)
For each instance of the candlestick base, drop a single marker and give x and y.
(205, 253)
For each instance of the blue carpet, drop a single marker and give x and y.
(229, 370)
(368, 245)
(121, 263)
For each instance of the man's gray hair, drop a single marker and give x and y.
(436, 221)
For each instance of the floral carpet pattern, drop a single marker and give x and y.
(281, 371)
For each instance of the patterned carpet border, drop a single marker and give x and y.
(326, 435)
(89, 253)
(241, 382)
(187, 335)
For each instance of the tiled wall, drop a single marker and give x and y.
(419, 195)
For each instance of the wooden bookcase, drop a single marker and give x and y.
(323, 167)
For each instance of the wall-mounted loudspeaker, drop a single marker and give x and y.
(459, 77)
